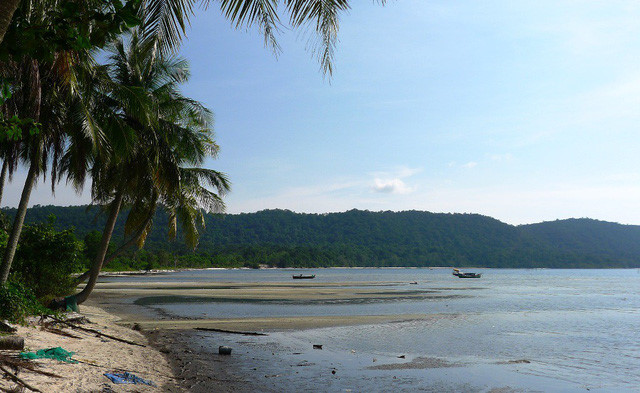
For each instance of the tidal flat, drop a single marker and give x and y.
(390, 329)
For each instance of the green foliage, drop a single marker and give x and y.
(17, 301)
(11, 128)
(45, 260)
(362, 238)
(41, 30)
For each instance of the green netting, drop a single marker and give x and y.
(71, 303)
(50, 353)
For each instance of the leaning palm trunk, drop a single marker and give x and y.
(136, 239)
(3, 178)
(102, 252)
(14, 236)
(7, 8)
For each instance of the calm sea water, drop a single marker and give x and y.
(530, 330)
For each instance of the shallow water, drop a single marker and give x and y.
(546, 330)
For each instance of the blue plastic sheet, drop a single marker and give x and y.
(127, 377)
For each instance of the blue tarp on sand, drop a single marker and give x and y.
(127, 377)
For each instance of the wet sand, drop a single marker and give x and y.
(278, 362)
(256, 364)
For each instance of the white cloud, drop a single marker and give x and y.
(390, 182)
(391, 186)
(469, 165)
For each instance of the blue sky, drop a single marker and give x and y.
(523, 111)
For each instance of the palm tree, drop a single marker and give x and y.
(165, 139)
(165, 21)
(41, 93)
(42, 90)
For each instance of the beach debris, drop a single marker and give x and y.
(317, 346)
(106, 388)
(16, 363)
(60, 332)
(401, 357)
(333, 371)
(11, 342)
(5, 327)
(57, 353)
(79, 320)
(128, 378)
(136, 326)
(414, 283)
(18, 380)
(99, 333)
(375, 360)
(230, 331)
(353, 351)
(224, 350)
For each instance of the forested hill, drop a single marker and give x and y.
(364, 238)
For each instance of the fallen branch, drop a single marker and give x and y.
(16, 363)
(17, 380)
(61, 332)
(99, 333)
(230, 331)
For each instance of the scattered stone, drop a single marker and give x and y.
(223, 350)
(317, 346)
(401, 357)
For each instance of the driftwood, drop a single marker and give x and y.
(17, 363)
(11, 342)
(98, 333)
(18, 380)
(230, 331)
(61, 332)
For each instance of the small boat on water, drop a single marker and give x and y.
(460, 274)
(303, 276)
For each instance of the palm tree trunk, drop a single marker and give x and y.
(14, 236)
(133, 240)
(102, 252)
(3, 178)
(7, 8)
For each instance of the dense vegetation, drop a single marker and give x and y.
(90, 92)
(362, 238)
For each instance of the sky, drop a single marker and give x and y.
(523, 111)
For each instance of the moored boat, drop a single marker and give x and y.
(460, 274)
(303, 276)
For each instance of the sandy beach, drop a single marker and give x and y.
(96, 355)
